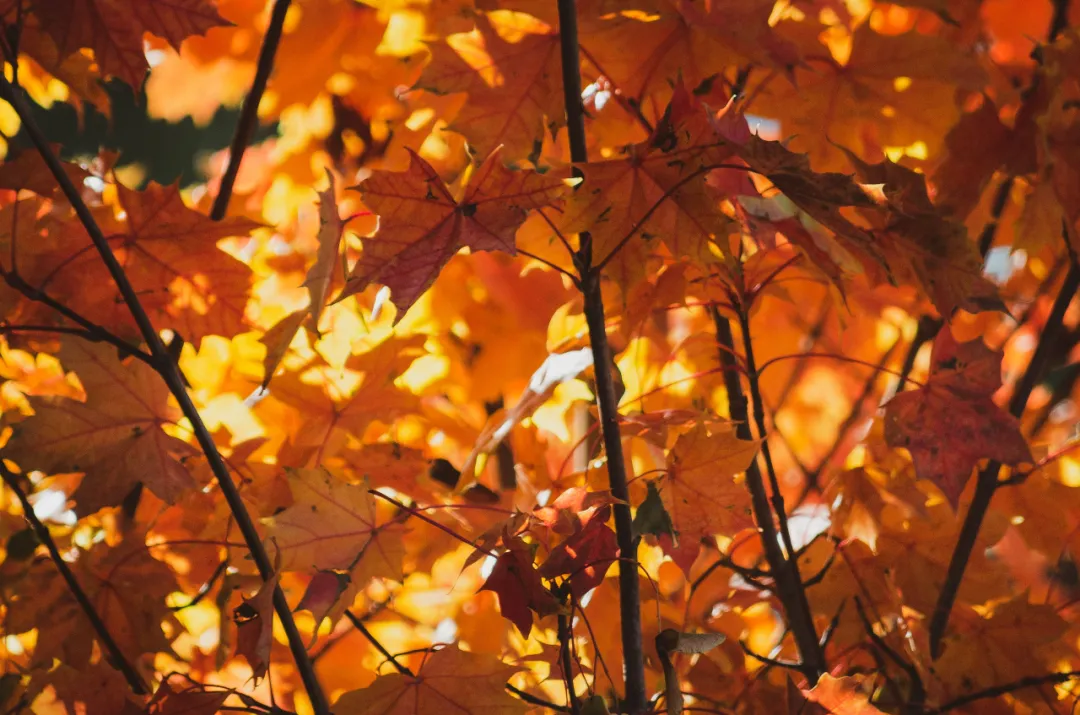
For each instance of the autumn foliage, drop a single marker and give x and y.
(650, 356)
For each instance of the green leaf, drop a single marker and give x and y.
(652, 518)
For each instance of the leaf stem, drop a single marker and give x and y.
(636, 700)
(116, 656)
(789, 588)
(249, 114)
(169, 370)
(987, 480)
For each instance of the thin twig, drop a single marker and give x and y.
(206, 587)
(629, 591)
(854, 416)
(249, 114)
(116, 656)
(358, 624)
(167, 367)
(774, 662)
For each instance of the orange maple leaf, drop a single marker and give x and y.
(451, 680)
(841, 696)
(125, 584)
(333, 525)
(114, 437)
(656, 192)
(172, 259)
(114, 29)
(509, 65)
(700, 491)
(422, 225)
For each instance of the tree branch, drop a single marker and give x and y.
(1031, 681)
(567, 665)
(116, 656)
(90, 330)
(167, 367)
(249, 114)
(789, 589)
(629, 591)
(987, 480)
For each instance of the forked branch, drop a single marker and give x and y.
(789, 588)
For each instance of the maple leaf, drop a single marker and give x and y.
(193, 700)
(254, 620)
(114, 437)
(642, 53)
(1014, 640)
(700, 491)
(923, 242)
(125, 585)
(97, 688)
(328, 595)
(517, 583)
(331, 228)
(29, 171)
(422, 225)
(658, 190)
(574, 509)
(509, 65)
(333, 525)
(171, 257)
(467, 683)
(584, 556)
(322, 409)
(841, 696)
(114, 29)
(952, 422)
(827, 101)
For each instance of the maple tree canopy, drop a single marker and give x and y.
(550, 356)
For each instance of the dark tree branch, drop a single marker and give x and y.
(629, 591)
(789, 589)
(1001, 198)
(116, 656)
(987, 479)
(1032, 681)
(90, 330)
(167, 367)
(249, 114)
(567, 664)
